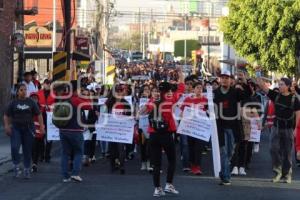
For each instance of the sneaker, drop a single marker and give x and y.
(277, 178)
(278, 175)
(235, 171)
(76, 178)
(66, 180)
(288, 177)
(144, 166)
(225, 183)
(27, 174)
(93, 159)
(34, 168)
(256, 148)
(17, 172)
(196, 170)
(242, 171)
(170, 189)
(186, 169)
(149, 168)
(158, 192)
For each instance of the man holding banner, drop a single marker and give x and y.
(227, 99)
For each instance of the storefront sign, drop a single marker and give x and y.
(38, 37)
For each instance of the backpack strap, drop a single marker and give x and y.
(293, 102)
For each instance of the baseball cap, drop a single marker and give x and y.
(225, 73)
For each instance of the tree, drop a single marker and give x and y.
(265, 31)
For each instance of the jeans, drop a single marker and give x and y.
(226, 152)
(22, 136)
(281, 149)
(159, 142)
(72, 142)
(104, 147)
(184, 150)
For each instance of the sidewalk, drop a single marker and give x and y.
(5, 156)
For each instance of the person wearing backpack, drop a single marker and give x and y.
(69, 118)
(287, 114)
(161, 129)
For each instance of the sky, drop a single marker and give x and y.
(158, 6)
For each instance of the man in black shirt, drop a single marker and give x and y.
(287, 107)
(227, 99)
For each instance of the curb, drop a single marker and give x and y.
(5, 161)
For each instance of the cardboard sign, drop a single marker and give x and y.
(195, 124)
(52, 130)
(144, 124)
(102, 101)
(115, 128)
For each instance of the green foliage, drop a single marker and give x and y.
(265, 31)
(190, 46)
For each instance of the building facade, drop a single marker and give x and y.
(7, 28)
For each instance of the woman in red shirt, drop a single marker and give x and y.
(196, 146)
(162, 125)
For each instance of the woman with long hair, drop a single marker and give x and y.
(117, 105)
(144, 96)
(19, 126)
(161, 129)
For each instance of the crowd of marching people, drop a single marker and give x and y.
(162, 93)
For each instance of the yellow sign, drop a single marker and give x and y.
(38, 37)
(110, 74)
(60, 71)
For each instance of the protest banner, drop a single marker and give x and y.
(128, 99)
(115, 128)
(102, 101)
(195, 124)
(144, 124)
(255, 132)
(143, 102)
(52, 130)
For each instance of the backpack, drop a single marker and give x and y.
(62, 113)
(157, 122)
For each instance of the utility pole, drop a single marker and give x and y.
(140, 27)
(208, 43)
(54, 27)
(67, 14)
(185, 27)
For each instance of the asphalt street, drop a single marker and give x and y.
(99, 183)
